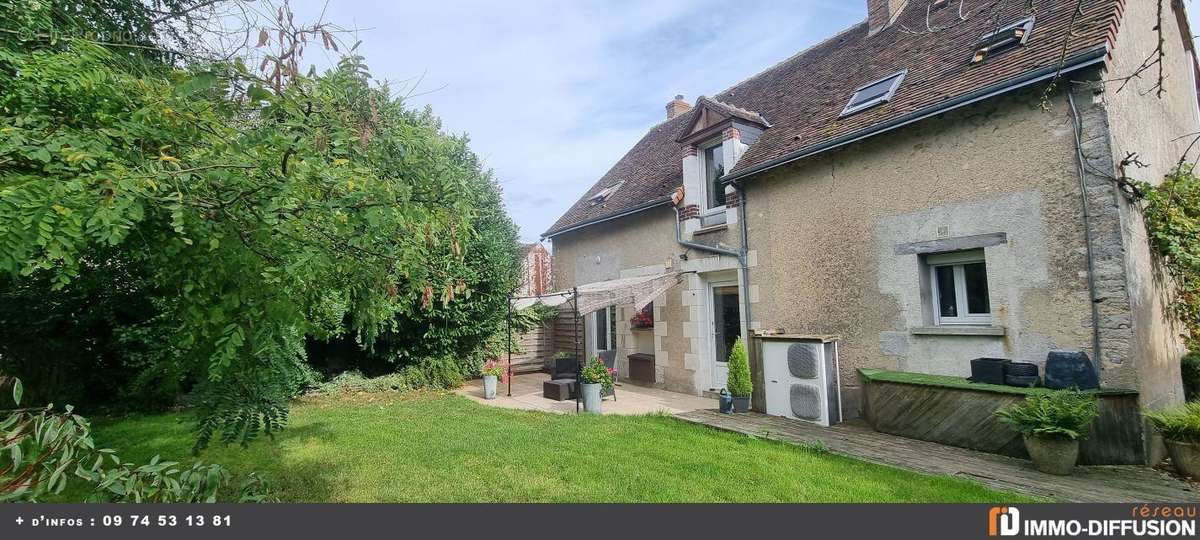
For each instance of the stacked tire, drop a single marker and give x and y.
(1021, 374)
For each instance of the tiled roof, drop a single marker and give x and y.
(802, 97)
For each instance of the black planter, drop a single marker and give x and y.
(741, 404)
(988, 370)
(1067, 369)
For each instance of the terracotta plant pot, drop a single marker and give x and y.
(1053, 455)
(1185, 457)
(741, 404)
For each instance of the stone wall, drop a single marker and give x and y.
(826, 233)
(1155, 127)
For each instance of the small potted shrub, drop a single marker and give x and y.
(493, 372)
(595, 379)
(1052, 424)
(1180, 427)
(739, 384)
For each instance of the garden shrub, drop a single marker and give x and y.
(440, 374)
(1061, 414)
(220, 222)
(354, 381)
(739, 383)
(1189, 368)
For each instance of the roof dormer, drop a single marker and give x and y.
(710, 117)
(714, 138)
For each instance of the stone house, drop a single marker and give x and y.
(932, 185)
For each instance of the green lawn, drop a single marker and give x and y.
(435, 448)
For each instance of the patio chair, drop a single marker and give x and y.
(565, 368)
(610, 361)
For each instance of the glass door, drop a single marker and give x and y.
(726, 328)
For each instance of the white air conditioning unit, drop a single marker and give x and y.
(801, 375)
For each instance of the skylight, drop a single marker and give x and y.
(605, 193)
(1010, 36)
(873, 94)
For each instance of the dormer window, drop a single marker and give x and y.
(876, 93)
(605, 193)
(1013, 35)
(714, 169)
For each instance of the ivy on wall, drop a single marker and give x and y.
(1172, 215)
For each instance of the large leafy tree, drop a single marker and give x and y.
(247, 208)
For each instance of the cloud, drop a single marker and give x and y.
(552, 94)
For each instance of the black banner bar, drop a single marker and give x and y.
(570, 522)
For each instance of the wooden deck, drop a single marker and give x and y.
(1123, 483)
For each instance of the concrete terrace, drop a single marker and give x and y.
(630, 399)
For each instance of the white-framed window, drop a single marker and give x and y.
(712, 159)
(959, 287)
(875, 93)
(603, 329)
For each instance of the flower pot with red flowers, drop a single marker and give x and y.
(644, 319)
(493, 372)
(595, 380)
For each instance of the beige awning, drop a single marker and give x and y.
(552, 300)
(639, 291)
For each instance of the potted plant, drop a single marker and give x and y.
(739, 384)
(644, 319)
(1052, 424)
(1180, 427)
(493, 372)
(594, 379)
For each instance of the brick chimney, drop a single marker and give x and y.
(881, 13)
(677, 107)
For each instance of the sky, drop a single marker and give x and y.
(553, 93)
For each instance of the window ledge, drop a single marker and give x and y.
(997, 331)
(713, 229)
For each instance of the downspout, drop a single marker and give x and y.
(1087, 227)
(703, 247)
(745, 258)
(741, 254)
(750, 343)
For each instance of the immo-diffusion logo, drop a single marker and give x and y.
(1004, 521)
(1144, 520)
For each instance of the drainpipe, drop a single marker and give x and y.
(1077, 125)
(704, 247)
(741, 255)
(745, 258)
